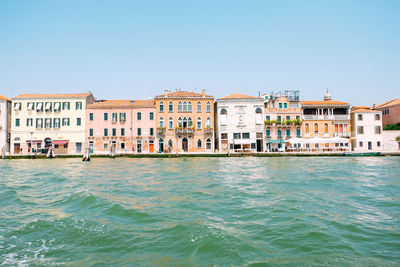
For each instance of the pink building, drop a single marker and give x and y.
(127, 126)
(390, 111)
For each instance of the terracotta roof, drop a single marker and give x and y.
(180, 94)
(239, 96)
(4, 98)
(363, 109)
(52, 96)
(388, 103)
(122, 104)
(324, 103)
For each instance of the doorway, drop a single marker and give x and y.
(185, 145)
(151, 146)
(161, 145)
(369, 145)
(17, 148)
(259, 145)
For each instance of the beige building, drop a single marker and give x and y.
(184, 122)
(41, 121)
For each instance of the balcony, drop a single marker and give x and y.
(209, 131)
(181, 130)
(160, 130)
(326, 117)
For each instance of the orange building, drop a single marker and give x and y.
(185, 122)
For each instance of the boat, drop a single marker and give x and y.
(365, 154)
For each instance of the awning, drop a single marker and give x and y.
(60, 142)
(34, 141)
(242, 141)
(276, 141)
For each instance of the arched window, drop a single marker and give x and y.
(258, 116)
(184, 106)
(170, 106)
(170, 143)
(307, 128)
(208, 122)
(199, 106)
(190, 106)
(208, 107)
(161, 106)
(208, 144)
(223, 113)
(179, 106)
(190, 122)
(199, 143)
(316, 128)
(180, 122)
(326, 128)
(170, 123)
(198, 123)
(184, 122)
(161, 122)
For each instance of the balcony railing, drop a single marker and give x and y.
(208, 130)
(160, 130)
(181, 130)
(326, 117)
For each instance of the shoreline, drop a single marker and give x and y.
(217, 155)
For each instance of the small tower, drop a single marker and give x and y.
(327, 96)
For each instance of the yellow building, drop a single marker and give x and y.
(185, 122)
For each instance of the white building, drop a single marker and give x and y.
(366, 129)
(5, 117)
(240, 123)
(390, 144)
(49, 120)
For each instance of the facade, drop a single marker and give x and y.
(282, 119)
(41, 121)
(390, 111)
(324, 120)
(185, 122)
(366, 129)
(5, 124)
(124, 126)
(240, 123)
(390, 141)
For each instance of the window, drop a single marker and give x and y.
(297, 117)
(224, 136)
(246, 135)
(29, 122)
(66, 106)
(360, 117)
(57, 107)
(184, 122)
(377, 117)
(280, 105)
(65, 122)
(288, 133)
(241, 121)
(170, 123)
(17, 106)
(122, 117)
(122, 131)
(223, 113)
(122, 145)
(199, 106)
(208, 123)
(139, 116)
(170, 106)
(47, 123)
(268, 133)
(105, 132)
(316, 127)
(114, 132)
(106, 116)
(17, 122)
(180, 122)
(90, 132)
(279, 133)
(199, 143)
(190, 122)
(151, 116)
(307, 128)
(293, 105)
(360, 130)
(279, 118)
(139, 131)
(184, 106)
(284, 105)
(360, 144)
(198, 123)
(39, 123)
(326, 128)
(78, 121)
(78, 105)
(90, 116)
(161, 106)
(151, 131)
(208, 106)
(190, 106)
(237, 136)
(288, 118)
(208, 143)
(30, 106)
(378, 144)
(377, 129)
(161, 122)
(56, 123)
(258, 116)
(179, 106)
(298, 133)
(170, 143)
(268, 118)
(39, 107)
(114, 117)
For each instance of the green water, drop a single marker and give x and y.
(333, 211)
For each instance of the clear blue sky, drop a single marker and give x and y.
(136, 49)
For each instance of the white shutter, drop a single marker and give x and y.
(223, 119)
(56, 106)
(258, 118)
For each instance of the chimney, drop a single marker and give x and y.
(373, 106)
(166, 93)
(203, 93)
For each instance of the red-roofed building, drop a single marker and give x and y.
(390, 111)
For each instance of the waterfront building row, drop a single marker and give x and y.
(189, 122)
